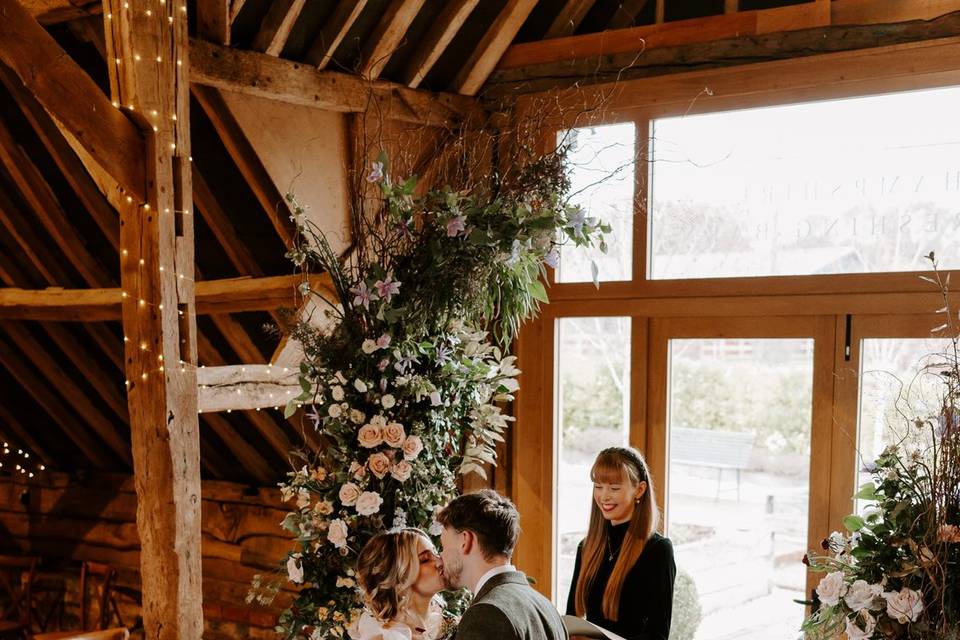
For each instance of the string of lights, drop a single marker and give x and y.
(16, 460)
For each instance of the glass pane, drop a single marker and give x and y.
(840, 186)
(602, 179)
(898, 385)
(738, 488)
(593, 412)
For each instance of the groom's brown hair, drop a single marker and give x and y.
(492, 517)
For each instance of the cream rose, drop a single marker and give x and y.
(388, 401)
(379, 465)
(360, 385)
(831, 588)
(357, 416)
(336, 392)
(394, 435)
(369, 436)
(904, 605)
(334, 411)
(402, 470)
(357, 470)
(861, 595)
(368, 346)
(412, 447)
(323, 507)
(369, 503)
(337, 533)
(855, 632)
(349, 494)
(378, 421)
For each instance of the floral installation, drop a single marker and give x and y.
(402, 379)
(896, 574)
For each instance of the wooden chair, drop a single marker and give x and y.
(17, 575)
(104, 594)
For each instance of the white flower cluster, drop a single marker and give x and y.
(861, 598)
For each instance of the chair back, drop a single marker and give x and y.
(107, 606)
(17, 575)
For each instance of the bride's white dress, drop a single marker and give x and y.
(369, 628)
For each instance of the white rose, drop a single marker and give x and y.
(388, 401)
(854, 632)
(357, 416)
(349, 494)
(303, 498)
(369, 436)
(412, 447)
(360, 385)
(904, 605)
(368, 347)
(394, 435)
(369, 503)
(337, 533)
(378, 421)
(334, 411)
(294, 569)
(402, 470)
(831, 588)
(379, 465)
(861, 595)
(336, 392)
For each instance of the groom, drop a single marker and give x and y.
(480, 531)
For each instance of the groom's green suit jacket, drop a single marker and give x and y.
(508, 608)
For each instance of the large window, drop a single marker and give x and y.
(839, 186)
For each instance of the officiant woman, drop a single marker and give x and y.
(624, 573)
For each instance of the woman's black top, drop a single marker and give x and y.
(646, 600)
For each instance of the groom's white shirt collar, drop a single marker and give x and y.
(505, 568)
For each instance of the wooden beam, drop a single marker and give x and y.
(247, 161)
(248, 386)
(325, 43)
(68, 93)
(888, 11)
(231, 295)
(72, 428)
(626, 14)
(569, 17)
(71, 167)
(238, 338)
(75, 397)
(222, 227)
(276, 26)
(35, 249)
(245, 454)
(731, 6)
(213, 21)
(261, 75)
(54, 11)
(387, 36)
(494, 43)
(159, 314)
(432, 46)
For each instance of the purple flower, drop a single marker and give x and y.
(363, 295)
(443, 353)
(456, 226)
(552, 259)
(576, 222)
(386, 289)
(377, 174)
(870, 467)
(314, 416)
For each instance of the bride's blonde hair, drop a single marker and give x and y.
(387, 569)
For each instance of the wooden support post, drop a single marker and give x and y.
(157, 274)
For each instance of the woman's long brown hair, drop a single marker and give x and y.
(616, 465)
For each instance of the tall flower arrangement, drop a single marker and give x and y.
(896, 573)
(406, 383)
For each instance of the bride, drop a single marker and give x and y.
(399, 572)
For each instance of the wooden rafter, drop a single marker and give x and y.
(260, 385)
(261, 75)
(569, 17)
(219, 222)
(53, 11)
(333, 32)
(238, 338)
(276, 26)
(36, 251)
(40, 390)
(432, 46)
(213, 20)
(491, 47)
(244, 453)
(387, 36)
(67, 92)
(626, 14)
(245, 156)
(66, 159)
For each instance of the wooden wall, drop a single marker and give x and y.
(65, 520)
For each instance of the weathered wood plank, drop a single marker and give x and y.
(626, 14)
(67, 92)
(276, 26)
(53, 11)
(494, 43)
(444, 28)
(333, 32)
(569, 17)
(213, 21)
(261, 75)
(387, 36)
(159, 318)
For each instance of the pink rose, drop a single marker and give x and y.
(394, 435)
(369, 436)
(357, 470)
(402, 470)
(369, 503)
(337, 533)
(349, 494)
(379, 465)
(412, 447)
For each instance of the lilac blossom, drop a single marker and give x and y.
(552, 259)
(456, 226)
(363, 295)
(376, 175)
(386, 289)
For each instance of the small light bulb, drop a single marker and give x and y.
(129, 199)
(161, 268)
(143, 346)
(142, 261)
(173, 146)
(136, 57)
(142, 302)
(144, 376)
(160, 306)
(149, 13)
